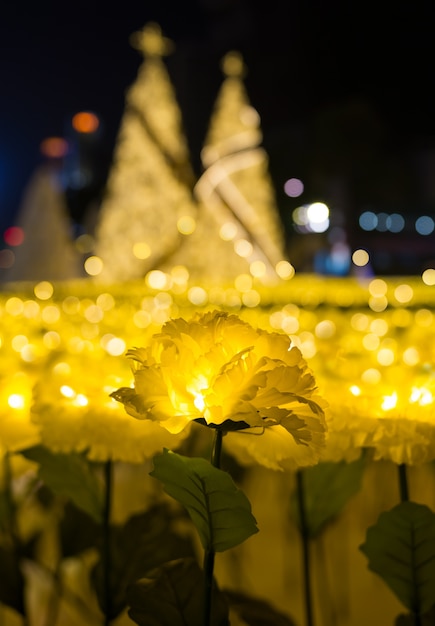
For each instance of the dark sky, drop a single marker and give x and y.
(323, 76)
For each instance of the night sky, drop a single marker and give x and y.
(341, 92)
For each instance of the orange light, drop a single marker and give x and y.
(54, 147)
(85, 122)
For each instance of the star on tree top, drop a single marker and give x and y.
(151, 42)
(232, 65)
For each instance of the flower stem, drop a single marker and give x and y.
(210, 554)
(403, 483)
(106, 555)
(305, 549)
(404, 497)
(11, 523)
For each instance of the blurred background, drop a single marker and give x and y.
(345, 97)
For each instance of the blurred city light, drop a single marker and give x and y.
(294, 187)
(85, 122)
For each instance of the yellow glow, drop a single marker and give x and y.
(94, 314)
(43, 290)
(424, 317)
(379, 327)
(360, 257)
(199, 401)
(14, 306)
(186, 225)
(325, 329)
(106, 301)
(285, 270)
(180, 275)
(116, 346)
(371, 341)
(51, 340)
(243, 282)
(243, 248)
(411, 356)
(71, 305)
(371, 376)
(251, 298)
(62, 369)
(142, 319)
(421, 396)
(289, 325)
(50, 314)
(31, 309)
(80, 400)
(385, 356)
(93, 265)
(16, 401)
(18, 342)
(403, 293)
(360, 321)
(378, 303)
(389, 402)
(29, 353)
(257, 269)
(197, 295)
(428, 277)
(228, 231)
(156, 279)
(378, 287)
(141, 250)
(67, 391)
(355, 390)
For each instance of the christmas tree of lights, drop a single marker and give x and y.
(154, 216)
(239, 230)
(148, 206)
(48, 251)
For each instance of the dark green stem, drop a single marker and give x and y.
(210, 554)
(403, 483)
(305, 536)
(107, 556)
(11, 521)
(404, 497)
(10, 504)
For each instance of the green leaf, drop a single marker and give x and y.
(400, 548)
(70, 476)
(173, 596)
(220, 511)
(327, 488)
(78, 531)
(144, 542)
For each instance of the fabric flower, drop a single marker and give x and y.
(74, 413)
(16, 429)
(396, 422)
(220, 371)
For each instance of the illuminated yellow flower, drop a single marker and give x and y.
(16, 429)
(74, 413)
(396, 422)
(219, 371)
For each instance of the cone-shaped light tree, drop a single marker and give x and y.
(235, 189)
(148, 206)
(48, 251)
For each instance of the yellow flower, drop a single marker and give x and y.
(16, 429)
(74, 413)
(219, 371)
(396, 421)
